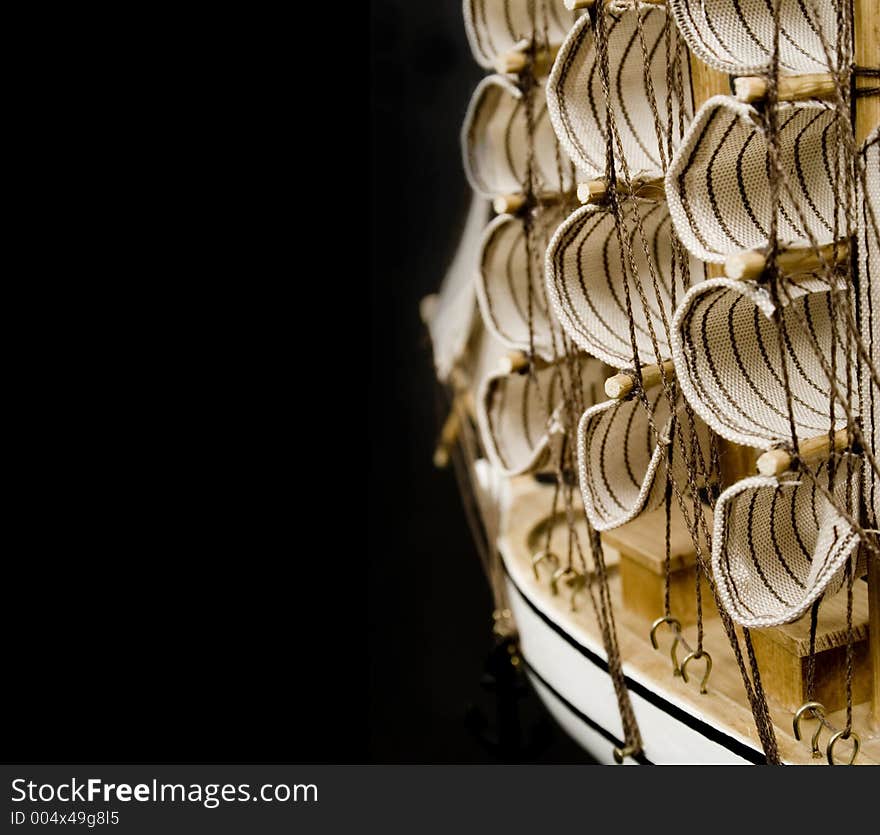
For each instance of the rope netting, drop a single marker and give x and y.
(772, 361)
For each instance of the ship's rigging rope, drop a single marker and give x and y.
(563, 387)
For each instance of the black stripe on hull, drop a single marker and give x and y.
(710, 732)
(592, 723)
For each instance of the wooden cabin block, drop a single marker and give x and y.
(783, 653)
(642, 547)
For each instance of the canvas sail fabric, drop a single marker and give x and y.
(718, 187)
(576, 101)
(481, 359)
(736, 36)
(725, 348)
(621, 462)
(495, 142)
(585, 281)
(495, 27)
(518, 415)
(780, 544)
(509, 294)
(869, 315)
(450, 314)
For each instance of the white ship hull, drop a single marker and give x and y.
(570, 674)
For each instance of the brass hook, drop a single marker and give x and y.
(857, 744)
(818, 710)
(559, 574)
(676, 628)
(699, 654)
(576, 584)
(555, 578)
(621, 753)
(539, 557)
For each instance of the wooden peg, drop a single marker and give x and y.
(596, 191)
(818, 85)
(774, 462)
(866, 33)
(516, 60)
(515, 362)
(750, 264)
(621, 385)
(511, 62)
(448, 439)
(593, 191)
(508, 204)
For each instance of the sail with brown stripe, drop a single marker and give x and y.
(725, 266)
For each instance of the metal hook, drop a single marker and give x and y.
(857, 744)
(576, 584)
(558, 575)
(621, 753)
(699, 654)
(818, 710)
(676, 628)
(554, 580)
(539, 557)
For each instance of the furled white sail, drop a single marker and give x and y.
(594, 289)
(780, 544)
(519, 415)
(495, 141)
(736, 36)
(510, 283)
(576, 100)
(718, 185)
(623, 462)
(495, 27)
(726, 349)
(449, 315)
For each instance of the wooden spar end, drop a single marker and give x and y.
(593, 191)
(750, 88)
(514, 362)
(516, 59)
(508, 204)
(750, 264)
(517, 362)
(448, 439)
(819, 85)
(745, 266)
(774, 462)
(621, 385)
(511, 62)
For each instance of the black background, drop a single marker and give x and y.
(226, 541)
(429, 603)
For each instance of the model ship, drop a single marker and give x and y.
(662, 374)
